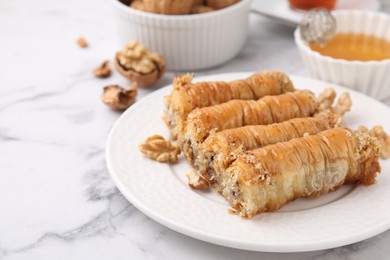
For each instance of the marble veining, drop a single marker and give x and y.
(57, 199)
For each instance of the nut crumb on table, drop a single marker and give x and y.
(82, 42)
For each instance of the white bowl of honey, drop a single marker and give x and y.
(357, 57)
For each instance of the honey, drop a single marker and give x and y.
(355, 47)
(310, 4)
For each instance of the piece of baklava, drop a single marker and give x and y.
(236, 113)
(186, 96)
(222, 148)
(267, 178)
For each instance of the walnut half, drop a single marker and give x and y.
(326, 98)
(343, 105)
(138, 64)
(159, 149)
(119, 98)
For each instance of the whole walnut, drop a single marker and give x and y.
(199, 2)
(163, 6)
(140, 65)
(201, 9)
(219, 4)
(137, 4)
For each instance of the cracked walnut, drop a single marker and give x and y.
(140, 65)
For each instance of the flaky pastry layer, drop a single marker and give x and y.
(222, 148)
(237, 113)
(267, 178)
(186, 96)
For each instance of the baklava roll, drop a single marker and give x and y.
(236, 113)
(267, 178)
(187, 96)
(221, 149)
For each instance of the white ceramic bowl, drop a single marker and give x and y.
(369, 77)
(187, 42)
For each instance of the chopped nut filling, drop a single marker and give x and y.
(195, 181)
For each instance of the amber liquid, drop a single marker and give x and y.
(310, 4)
(360, 47)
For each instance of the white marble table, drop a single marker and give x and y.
(57, 199)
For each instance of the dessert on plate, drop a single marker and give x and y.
(262, 142)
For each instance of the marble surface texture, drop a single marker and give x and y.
(57, 199)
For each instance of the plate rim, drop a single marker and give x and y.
(221, 240)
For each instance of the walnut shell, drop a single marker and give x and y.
(138, 64)
(103, 71)
(119, 98)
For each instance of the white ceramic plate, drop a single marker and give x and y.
(159, 190)
(281, 11)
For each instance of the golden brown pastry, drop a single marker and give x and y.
(267, 178)
(186, 96)
(221, 149)
(236, 113)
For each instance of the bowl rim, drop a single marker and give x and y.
(220, 12)
(305, 47)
